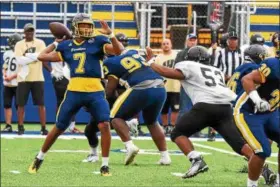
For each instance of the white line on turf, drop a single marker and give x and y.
(225, 151)
(142, 151)
(15, 171)
(177, 174)
(70, 137)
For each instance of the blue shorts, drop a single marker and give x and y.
(258, 129)
(95, 102)
(150, 101)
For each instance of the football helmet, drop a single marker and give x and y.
(13, 39)
(256, 39)
(82, 32)
(255, 53)
(122, 38)
(199, 54)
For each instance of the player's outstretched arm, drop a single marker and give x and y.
(249, 81)
(116, 47)
(162, 70)
(48, 54)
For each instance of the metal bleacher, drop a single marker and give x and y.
(265, 20)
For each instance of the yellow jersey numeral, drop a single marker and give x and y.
(130, 64)
(81, 57)
(265, 70)
(274, 102)
(232, 84)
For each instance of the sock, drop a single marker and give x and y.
(193, 154)
(72, 125)
(105, 161)
(164, 154)
(278, 179)
(41, 155)
(94, 150)
(128, 144)
(251, 183)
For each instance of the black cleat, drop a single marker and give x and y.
(34, 167)
(20, 129)
(8, 128)
(268, 175)
(104, 171)
(198, 166)
(211, 137)
(44, 131)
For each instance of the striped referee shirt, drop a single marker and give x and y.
(227, 61)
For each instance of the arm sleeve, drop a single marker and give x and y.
(184, 68)
(103, 41)
(60, 51)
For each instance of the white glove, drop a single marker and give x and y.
(260, 104)
(151, 61)
(57, 76)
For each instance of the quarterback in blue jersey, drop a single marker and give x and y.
(144, 92)
(258, 108)
(84, 55)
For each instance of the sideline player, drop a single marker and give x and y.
(9, 71)
(261, 116)
(212, 106)
(84, 55)
(144, 92)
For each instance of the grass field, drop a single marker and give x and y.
(65, 168)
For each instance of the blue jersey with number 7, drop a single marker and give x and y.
(85, 62)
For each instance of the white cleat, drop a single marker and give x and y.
(130, 154)
(165, 160)
(91, 158)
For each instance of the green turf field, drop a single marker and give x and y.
(66, 169)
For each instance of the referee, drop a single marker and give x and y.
(229, 58)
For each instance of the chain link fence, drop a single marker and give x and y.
(145, 22)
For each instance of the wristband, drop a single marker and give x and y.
(151, 61)
(111, 35)
(254, 96)
(55, 43)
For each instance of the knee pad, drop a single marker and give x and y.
(91, 134)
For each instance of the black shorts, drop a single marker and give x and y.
(220, 117)
(172, 101)
(37, 90)
(8, 95)
(60, 87)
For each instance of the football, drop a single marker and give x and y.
(59, 30)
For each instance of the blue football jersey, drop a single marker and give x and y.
(235, 81)
(130, 68)
(85, 62)
(268, 90)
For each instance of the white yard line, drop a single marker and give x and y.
(82, 137)
(225, 151)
